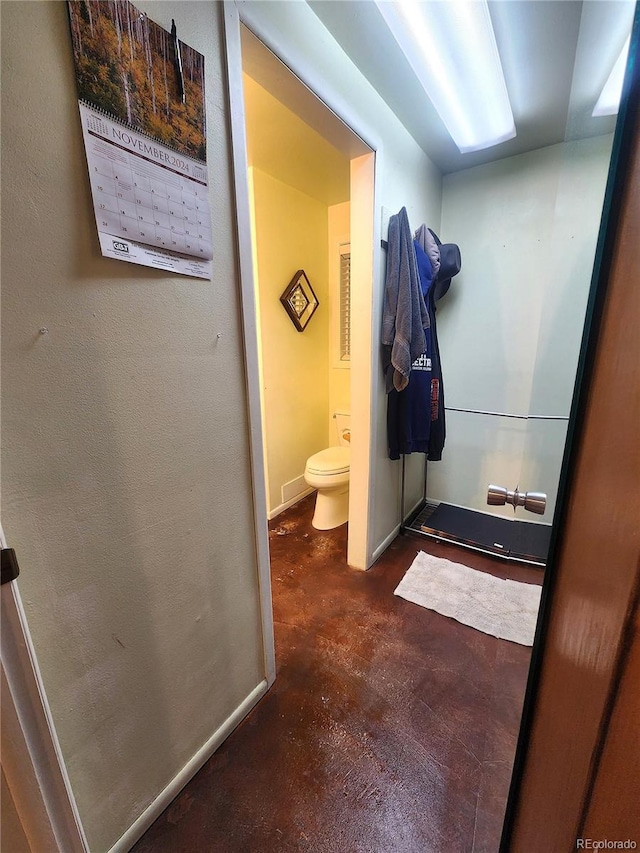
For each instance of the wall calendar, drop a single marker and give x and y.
(142, 108)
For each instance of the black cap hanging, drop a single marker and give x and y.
(450, 265)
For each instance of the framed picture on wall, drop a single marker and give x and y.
(299, 300)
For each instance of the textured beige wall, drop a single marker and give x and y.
(126, 479)
(291, 233)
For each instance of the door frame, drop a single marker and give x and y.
(31, 755)
(552, 736)
(366, 261)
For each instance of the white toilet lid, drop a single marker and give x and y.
(333, 460)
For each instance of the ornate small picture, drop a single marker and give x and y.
(299, 300)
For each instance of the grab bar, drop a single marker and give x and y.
(506, 415)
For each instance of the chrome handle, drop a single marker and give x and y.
(535, 502)
(497, 495)
(532, 501)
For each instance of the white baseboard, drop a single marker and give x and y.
(277, 510)
(155, 809)
(382, 547)
(414, 507)
(292, 489)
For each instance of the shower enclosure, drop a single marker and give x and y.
(510, 330)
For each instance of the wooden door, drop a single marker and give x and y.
(577, 763)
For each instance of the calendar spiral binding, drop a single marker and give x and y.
(116, 120)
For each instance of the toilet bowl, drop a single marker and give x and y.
(328, 472)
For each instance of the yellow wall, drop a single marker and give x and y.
(291, 233)
(281, 144)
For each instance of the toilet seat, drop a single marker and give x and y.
(332, 460)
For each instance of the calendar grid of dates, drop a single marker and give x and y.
(138, 199)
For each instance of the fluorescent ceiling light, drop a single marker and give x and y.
(452, 49)
(609, 100)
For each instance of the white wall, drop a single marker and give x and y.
(511, 324)
(405, 176)
(126, 479)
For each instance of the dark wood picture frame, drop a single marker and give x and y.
(299, 300)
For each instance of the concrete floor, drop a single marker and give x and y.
(390, 728)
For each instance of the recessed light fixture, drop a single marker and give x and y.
(452, 49)
(609, 101)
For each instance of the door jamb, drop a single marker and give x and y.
(361, 547)
(250, 329)
(32, 758)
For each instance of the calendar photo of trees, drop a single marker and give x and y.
(128, 66)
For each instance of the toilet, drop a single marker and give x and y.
(328, 472)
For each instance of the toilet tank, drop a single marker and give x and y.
(342, 422)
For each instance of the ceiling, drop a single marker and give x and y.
(556, 56)
(282, 144)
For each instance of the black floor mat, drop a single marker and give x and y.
(522, 540)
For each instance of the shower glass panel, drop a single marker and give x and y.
(511, 325)
(581, 173)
